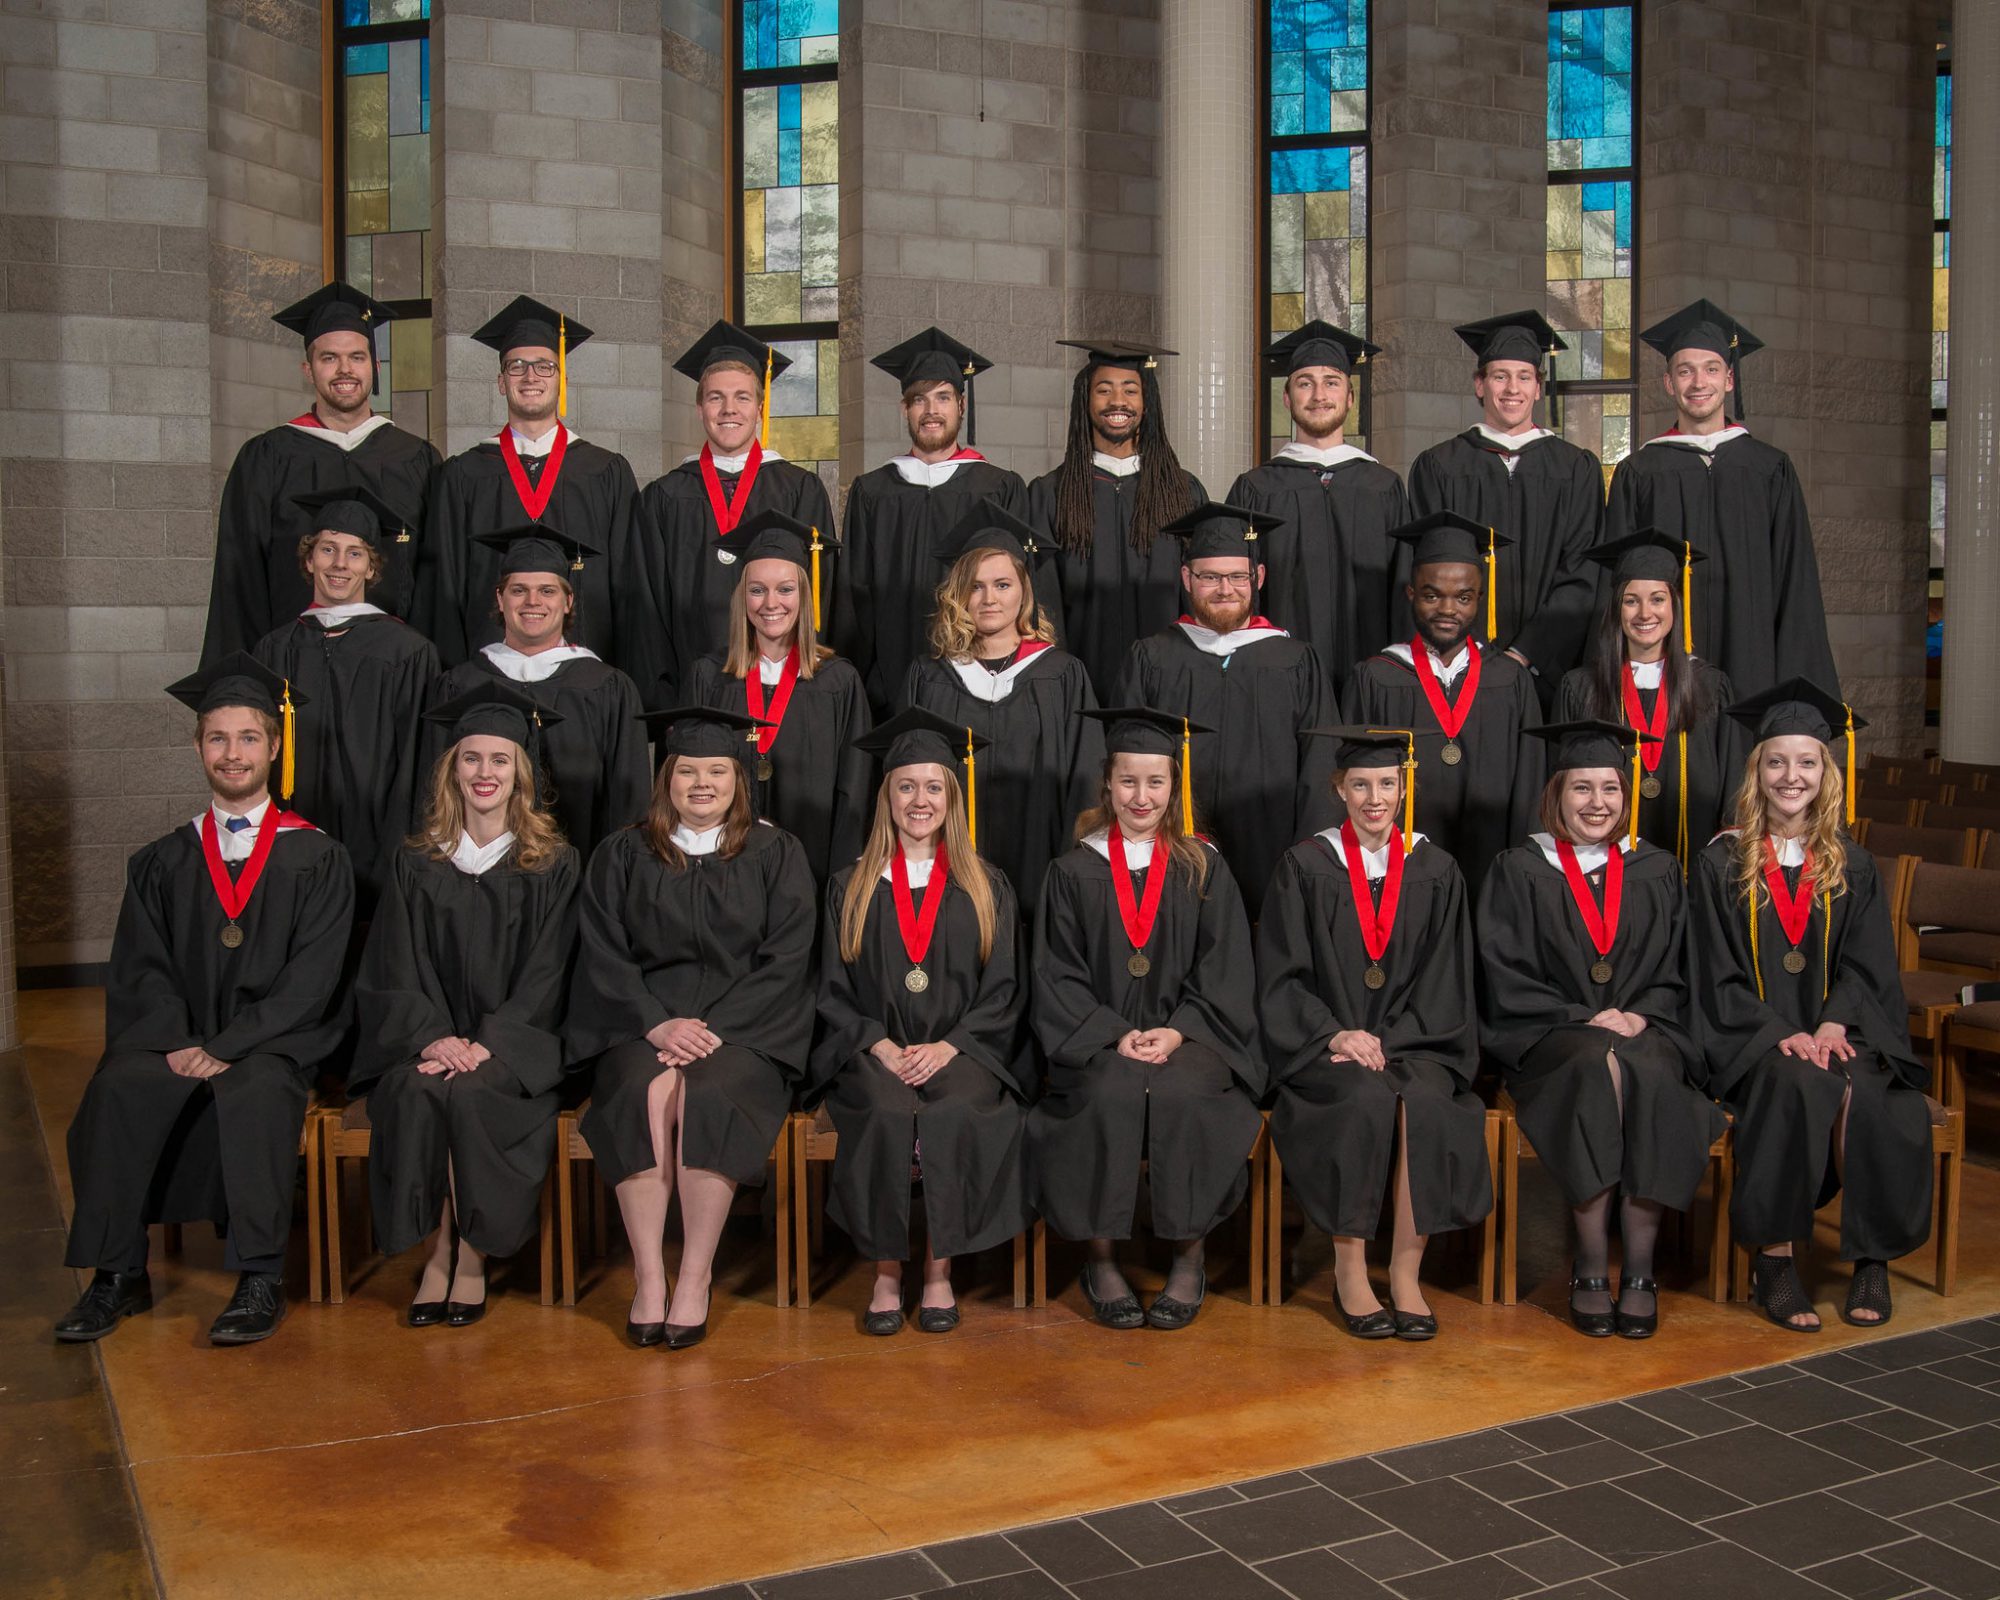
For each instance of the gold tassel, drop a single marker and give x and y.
(562, 367)
(816, 548)
(764, 435)
(1187, 778)
(1492, 599)
(1409, 791)
(1850, 765)
(1632, 795)
(971, 794)
(1687, 596)
(289, 771)
(1681, 833)
(1756, 962)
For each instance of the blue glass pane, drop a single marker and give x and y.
(1941, 197)
(354, 13)
(366, 58)
(775, 32)
(1589, 102)
(788, 155)
(1319, 49)
(1310, 171)
(788, 106)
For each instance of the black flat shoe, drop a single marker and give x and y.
(1592, 1324)
(253, 1312)
(1124, 1312)
(1376, 1324)
(1774, 1281)
(463, 1313)
(1173, 1315)
(110, 1298)
(686, 1335)
(1631, 1326)
(1868, 1292)
(426, 1313)
(644, 1335)
(882, 1324)
(1414, 1327)
(936, 1319)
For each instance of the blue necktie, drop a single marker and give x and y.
(236, 824)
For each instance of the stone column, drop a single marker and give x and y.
(1972, 435)
(1208, 163)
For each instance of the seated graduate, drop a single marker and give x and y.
(812, 780)
(1364, 983)
(1638, 671)
(1801, 1015)
(1142, 963)
(223, 995)
(363, 678)
(921, 1050)
(591, 763)
(1586, 1005)
(694, 994)
(995, 669)
(460, 1000)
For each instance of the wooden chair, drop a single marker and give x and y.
(1886, 805)
(1985, 814)
(1945, 847)
(1925, 786)
(345, 1134)
(1989, 849)
(1960, 905)
(1880, 769)
(1929, 997)
(1969, 777)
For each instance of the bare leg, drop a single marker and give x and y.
(705, 1201)
(437, 1266)
(644, 1197)
(888, 1292)
(937, 1280)
(1406, 1246)
(1350, 1277)
(468, 1273)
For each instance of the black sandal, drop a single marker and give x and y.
(1630, 1325)
(1774, 1281)
(1592, 1324)
(1868, 1292)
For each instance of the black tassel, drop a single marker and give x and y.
(971, 426)
(1555, 400)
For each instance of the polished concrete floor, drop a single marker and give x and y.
(536, 1454)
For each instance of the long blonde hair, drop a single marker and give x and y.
(962, 862)
(538, 837)
(742, 658)
(1185, 852)
(953, 632)
(1824, 841)
(662, 817)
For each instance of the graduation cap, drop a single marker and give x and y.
(989, 525)
(1125, 353)
(1144, 731)
(1318, 344)
(1800, 706)
(1361, 746)
(536, 547)
(1706, 326)
(1517, 336)
(703, 731)
(727, 342)
(1216, 528)
(337, 308)
(934, 356)
(916, 737)
(1592, 743)
(356, 510)
(528, 323)
(1445, 536)
(1655, 557)
(496, 709)
(774, 536)
(240, 679)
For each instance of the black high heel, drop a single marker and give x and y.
(429, 1313)
(1629, 1324)
(1774, 1280)
(1868, 1292)
(686, 1335)
(1592, 1324)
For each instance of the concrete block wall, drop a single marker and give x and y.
(695, 192)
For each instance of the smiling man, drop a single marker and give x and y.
(338, 439)
(1758, 611)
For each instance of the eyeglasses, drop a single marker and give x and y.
(1221, 580)
(520, 369)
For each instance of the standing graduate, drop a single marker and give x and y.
(1249, 690)
(460, 999)
(995, 669)
(1639, 672)
(694, 994)
(885, 583)
(1801, 1014)
(1107, 506)
(535, 469)
(1364, 985)
(1330, 553)
(676, 595)
(1530, 483)
(1586, 1011)
(591, 758)
(1469, 704)
(811, 777)
(1140, 1003)
(337, 440)
(921, 1055)
(1758, 612)
(223, 996)
(364, 679)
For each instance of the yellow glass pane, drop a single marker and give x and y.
(1941, 299)
(1287, 312)
(819, 133)
(770, 297)
(806, 438)
(410, 349)
(1565, 219)
(1618, 405)
(1618, 303)
(1357, 284)
(1618, 352)
(1326, 215)
(753, 230)
(368, 212)
(368, 131)
(1563, 265)
(829, 377)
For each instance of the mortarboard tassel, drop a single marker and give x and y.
(1687, 596)
(288, 772)
(1632, 797)
(1555, 402)
(1736, 372)
(562, 371)
(1492, 598)
(764, 438)
(971, 794)
(1187, 778)
(816, 548)
(971, 432)
(1409, 792)
(1850, 765)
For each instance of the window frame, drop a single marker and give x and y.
(342, 35)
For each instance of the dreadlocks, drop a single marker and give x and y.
(1164, 490)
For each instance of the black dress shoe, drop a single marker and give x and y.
(1173, 1315)
(1637, 1327)
(1592, 1324)
(1415, 1326)
(463, 1313)
(111, 1297)
(644, 1335)
(253, 1312)
(936, 1319)
(685, 1336)
(882, 1324)
(1124, 1312)
(1376, 1324)
(426, 1313)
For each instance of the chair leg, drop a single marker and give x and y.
(1510, 1216)
(566, 1217)
(1488, 1231)
(1021, 1270)
(310, 1139)
(336, 1267)
(1260, 1200)
(1739, 1272)
(781, 1211)
(1952, 1163)
(801, 1222)
(1274, 1214)
(1722, 1182)
(1038, 1265)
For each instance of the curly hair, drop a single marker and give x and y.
(1826, 845)
(953, 632)
(538, 837)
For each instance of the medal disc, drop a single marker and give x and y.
(1649, 786)
(726, 557)
(916, 980)
(1137, 964)
(1451, 754)
(1600, 972)
(1794, 961)
(1374, 977)
(232, 937)
(764, 769)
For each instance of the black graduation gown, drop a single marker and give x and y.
(148, 1146)
(359, 771)
(1334, 1122)
(257, 584)
(822, 789)
(1539, 1000)
(1114, 596)
(1716, 751)
(1472, 810)
(1552, 506)
(728, 941)
(593, 499)
(1786, 1109)
(483, 958)
(1192, 1119)
(1758, 612)
(675, 594)
(1259, 782)
(1330, 578)
(593, 770)
(1042, 764)
(885, 584)
(964, 1125)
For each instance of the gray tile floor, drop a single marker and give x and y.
(1871, 1473)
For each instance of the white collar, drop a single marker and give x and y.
(1138, 852)
(524, 446)
(1211, 643)
(333, 436)
(235, 846)
(704, 843)
(532, 669)
(1313, 455)
(916, 873)
(723, 463)
(1447, 672)
(1588, 856)
(769, 671)
(1705, 442)
(927, 474)
(474, 859)
(331, 617)
(1646, 674)
(1374, 863)
(1512, 441)
(1115, 466)
(1791, 852)
(992, 687)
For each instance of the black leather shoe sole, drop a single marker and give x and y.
(70, 1332)
(426, 1313)
(936, 1319)
(644, 1335)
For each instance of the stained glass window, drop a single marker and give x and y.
(1316, 178)
(1940, 300)
(383, 154)
(1592, 129)
(788, 191)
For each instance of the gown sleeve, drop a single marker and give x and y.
(848, 1024)
(1737, 1026)
(628, 653)
(1524, 799)
(1426, 490)
(1070, 1021)
(628, 770)
(441, 574)
(1866, 993)
(1223, 972)
(1316, 807)
(238, 595)
(1803, 649)
(1298, 1025)
(989, 1029)
(1552, 636)
(144, 1008)
(396, 992)
(854, 778)
(1522, 1003)
(524, 1030)
(851, 623)
(640, 604)
(609, 1002)
(770, 1006)
(305, 991)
